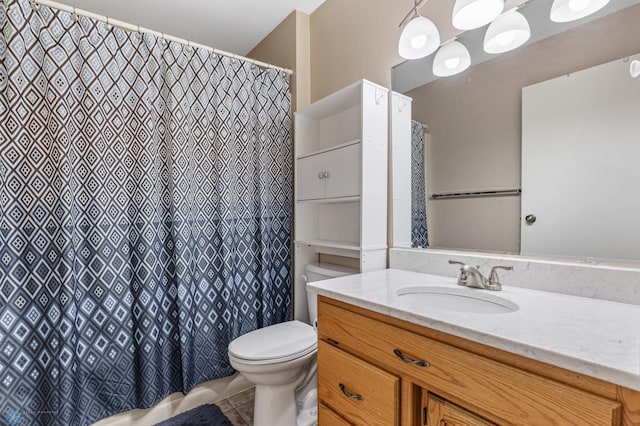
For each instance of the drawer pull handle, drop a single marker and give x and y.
(333, 342)
(405, 358)
(349, 394)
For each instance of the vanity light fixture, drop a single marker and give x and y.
(452, 58)
(571, 10)
(420, 37)
(634, 68)
(509, 31)
(472, 14)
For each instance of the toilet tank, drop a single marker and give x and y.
(319, 272)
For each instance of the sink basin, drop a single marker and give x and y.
(422, 298)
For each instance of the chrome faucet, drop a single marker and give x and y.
(470, 276)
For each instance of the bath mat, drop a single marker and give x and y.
(204, 415)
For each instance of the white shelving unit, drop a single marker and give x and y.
(341, 181)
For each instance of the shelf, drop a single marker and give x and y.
(331, 148)
(339, 135)
(341, 248)
(338, 200)
(342, 245)
(337, 248)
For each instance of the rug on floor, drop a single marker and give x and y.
(204, 415)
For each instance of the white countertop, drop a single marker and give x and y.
(597, 338)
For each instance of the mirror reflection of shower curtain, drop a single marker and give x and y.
(419, 232)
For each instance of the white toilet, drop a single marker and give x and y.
(281, 361)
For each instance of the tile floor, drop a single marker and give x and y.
(239, 408)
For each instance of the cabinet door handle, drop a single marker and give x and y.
(325, 175)
(349, 394)
(320, 175)
(405, 358)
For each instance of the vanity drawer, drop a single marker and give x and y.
(326, 416)
(362, 393)
(499, 391)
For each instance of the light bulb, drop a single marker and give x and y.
(509, 31)
(579, 5)
(452, 63)
(506, 38)
(451, 59)
(419, 38)
(418, 41)
(471, 14)
(634, 68)
(572, 10)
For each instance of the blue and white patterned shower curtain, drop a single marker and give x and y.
(145, 218)
(419, 234)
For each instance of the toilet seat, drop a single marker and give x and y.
(274, 344)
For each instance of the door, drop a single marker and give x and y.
(443, 413)
(580, 191)
(310, 177)
(344, 171)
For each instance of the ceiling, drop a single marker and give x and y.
(235, 26)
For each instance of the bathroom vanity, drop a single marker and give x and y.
(554, 360)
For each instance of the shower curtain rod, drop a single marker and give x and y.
(422, 124)
(135, 28)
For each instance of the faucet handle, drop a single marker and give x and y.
(494, 279)
(462, 279)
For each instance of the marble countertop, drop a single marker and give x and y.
(597, 338)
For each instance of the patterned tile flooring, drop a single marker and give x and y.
(239, 408)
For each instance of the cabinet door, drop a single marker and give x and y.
(344, 169)
(310, 178)
(444, 413)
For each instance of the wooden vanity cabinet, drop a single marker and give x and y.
(443, 380)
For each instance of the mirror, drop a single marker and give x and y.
(474, 129)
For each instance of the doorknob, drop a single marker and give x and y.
(530, 219)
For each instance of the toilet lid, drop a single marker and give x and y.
(281, 342)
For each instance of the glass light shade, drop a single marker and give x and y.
(471, 14)
(634, 68)
(419, 38)
(509, 31)
(451, 59)
(571, 10)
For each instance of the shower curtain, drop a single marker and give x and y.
(419, 234)
(145, 219)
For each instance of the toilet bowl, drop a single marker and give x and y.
(281, 361)
(275, 359)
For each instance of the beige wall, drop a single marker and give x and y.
(475, 124)
(354, 39)
(288, 46)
